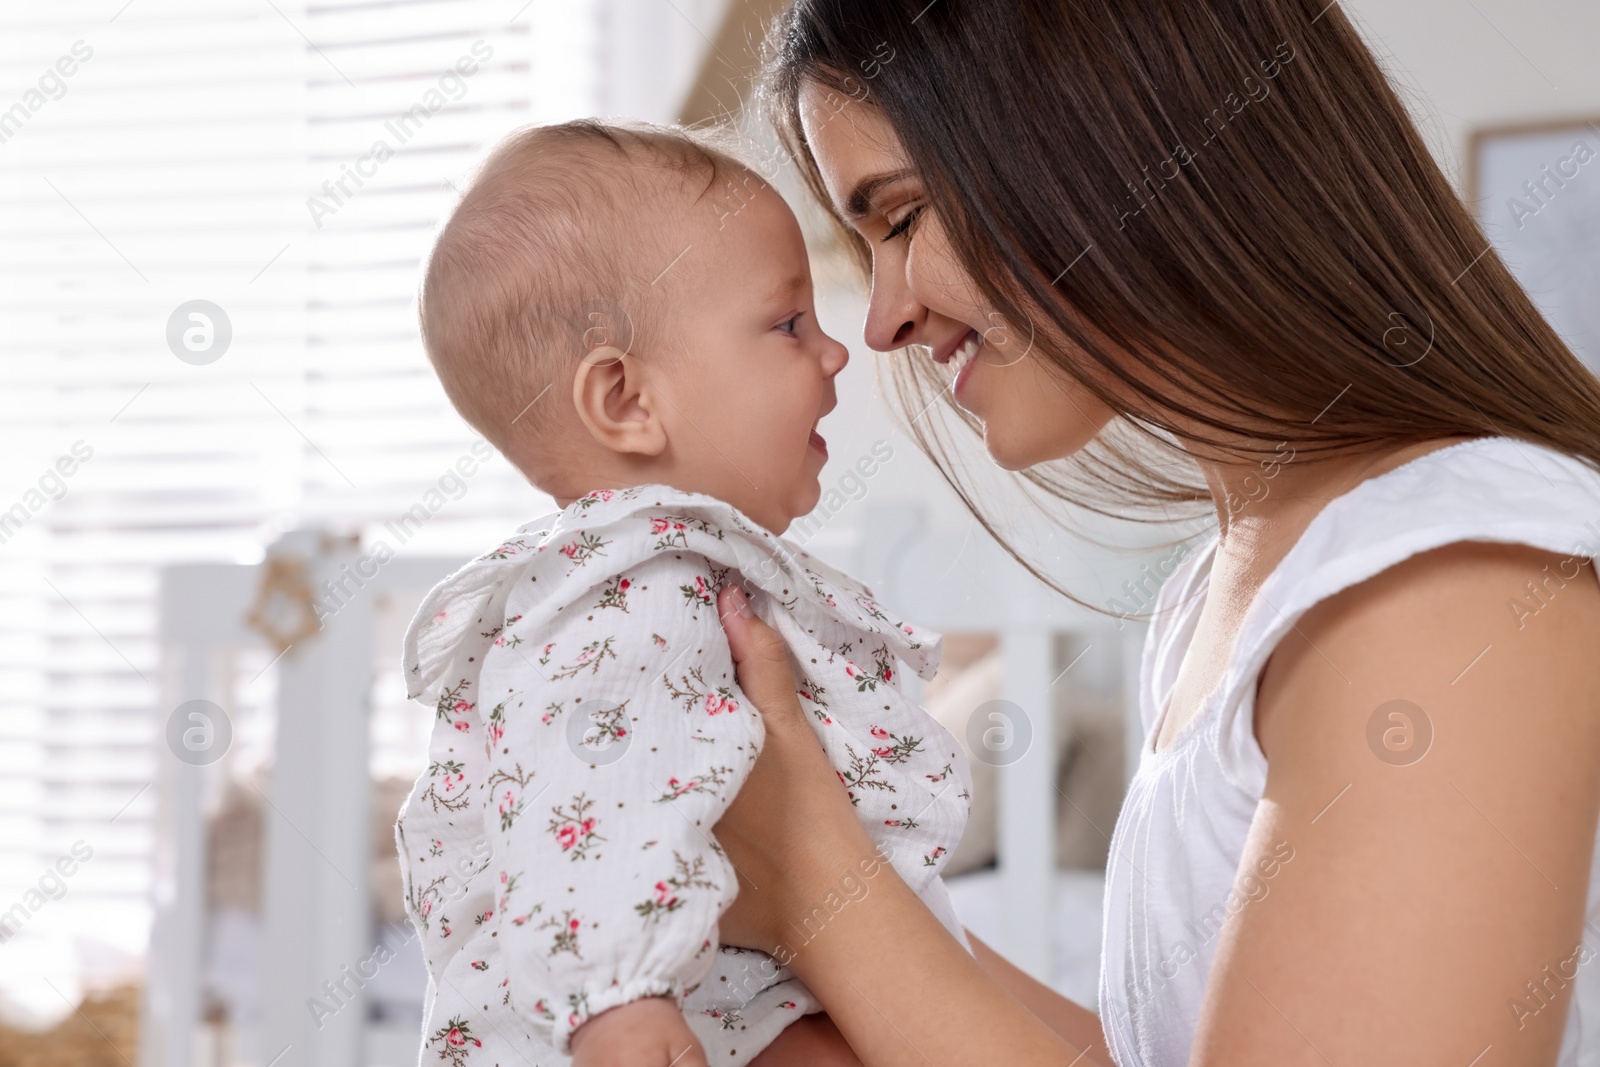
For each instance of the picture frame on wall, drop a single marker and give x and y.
(1535, 188)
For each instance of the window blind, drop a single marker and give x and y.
(284, 161)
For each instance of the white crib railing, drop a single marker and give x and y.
(316, 907)
(994, 594)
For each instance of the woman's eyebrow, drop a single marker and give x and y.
(858, 205)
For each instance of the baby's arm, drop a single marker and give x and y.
(617, 737)
(644, 1033)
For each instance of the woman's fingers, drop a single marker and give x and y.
(648, 1030)
(791, 816)
(760, 657)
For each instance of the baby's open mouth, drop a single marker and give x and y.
(818, 443)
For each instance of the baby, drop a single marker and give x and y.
(627, 315)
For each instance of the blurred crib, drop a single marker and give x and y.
(315, 962)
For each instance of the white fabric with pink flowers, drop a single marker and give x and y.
(589, 732)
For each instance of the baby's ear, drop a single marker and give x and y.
(610, 396)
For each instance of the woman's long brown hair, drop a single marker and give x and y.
(1220, 212)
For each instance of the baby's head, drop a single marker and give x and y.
(620, 305)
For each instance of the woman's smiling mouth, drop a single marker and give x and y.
(961, 356)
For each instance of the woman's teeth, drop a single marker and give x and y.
(968, 349)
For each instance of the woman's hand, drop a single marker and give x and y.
(794, 838)
(650, 1032)
(791, 833)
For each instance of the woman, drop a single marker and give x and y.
(1203, 236)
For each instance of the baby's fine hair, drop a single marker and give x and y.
(553, 251)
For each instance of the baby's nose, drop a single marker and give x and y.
(834, 357)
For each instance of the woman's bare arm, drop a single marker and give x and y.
(1078, 1025)
(902, 991)
(815, 1041)
(1432, 911)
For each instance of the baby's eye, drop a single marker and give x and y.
(789, 325)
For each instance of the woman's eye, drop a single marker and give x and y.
(904, 225)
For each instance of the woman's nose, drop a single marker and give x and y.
(893, 315)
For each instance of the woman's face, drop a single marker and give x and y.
(1030, 409)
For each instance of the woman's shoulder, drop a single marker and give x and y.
(1445, 557)
(1437, 618)
(1469, 564)
(1487, 483)
(1423, 745)
(1495, 490)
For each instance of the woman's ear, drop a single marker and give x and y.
(610, 396)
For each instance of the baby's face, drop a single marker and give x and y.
(754, 371)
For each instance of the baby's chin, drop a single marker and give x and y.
(801, 501)
(807, 495)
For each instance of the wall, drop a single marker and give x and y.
(1467, 63)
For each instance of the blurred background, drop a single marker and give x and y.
(228, 475)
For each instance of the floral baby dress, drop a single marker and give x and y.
(589, 732)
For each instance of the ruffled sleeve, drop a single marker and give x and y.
(446, 639)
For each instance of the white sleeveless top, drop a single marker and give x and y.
(1171, 875)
